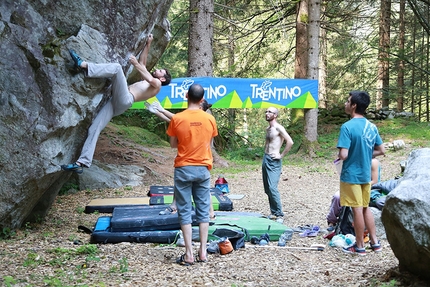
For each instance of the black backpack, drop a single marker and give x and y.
(345, 221)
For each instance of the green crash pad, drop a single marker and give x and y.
(255, 226)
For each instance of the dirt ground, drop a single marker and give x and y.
(46, 254)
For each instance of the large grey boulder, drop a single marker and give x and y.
(406, 215)
(45, 106)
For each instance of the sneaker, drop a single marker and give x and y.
(73, 167)
(265, 236)
(331, 227)
(376, 247)
(353, 249)
(286, 236)
(78, 61)
(255, 240)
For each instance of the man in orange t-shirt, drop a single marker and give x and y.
(191, 132)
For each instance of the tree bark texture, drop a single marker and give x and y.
(200, 55)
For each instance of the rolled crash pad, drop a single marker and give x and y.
(143, 218)
(103, 234)
(106, 205)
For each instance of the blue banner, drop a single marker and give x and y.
(241, 93)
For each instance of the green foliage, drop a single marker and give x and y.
(67, 188)
(140, 134)
(396, 129)
(175, 57)
(6, 233)
(406, 129)
(80, 209)
(53, 281)
(391, 283)
(244, 154)
(9, 281)
(123, 265)
(90, 249)
(33, 259)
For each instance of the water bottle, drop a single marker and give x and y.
(349, 239)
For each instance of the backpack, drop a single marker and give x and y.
(222, 184)
(236, 237)
(345, 221)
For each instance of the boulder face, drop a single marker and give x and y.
(45, 105)
(406, 215)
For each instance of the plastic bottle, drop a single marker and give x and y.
(349, 239)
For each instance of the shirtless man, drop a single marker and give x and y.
(272, 162)
(123, 96)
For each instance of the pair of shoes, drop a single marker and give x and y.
(353, 249)
(73, 167)
(286, 236)
(310, 232)
(78, 61)
(376, 247)
(167, 211)
(301, 228)
(181, 261)
(263, 240)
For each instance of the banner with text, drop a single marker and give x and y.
(241, 93)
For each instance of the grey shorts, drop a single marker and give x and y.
(192, 183)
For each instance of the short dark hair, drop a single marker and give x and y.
(205, 105)
(195, 93)
(167, 78)
(361, 99)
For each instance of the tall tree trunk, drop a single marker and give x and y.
(401, 64)
(200, 54)
(383, 63)
(311, 115)
(426, 75)
(414, 56)
(322, 77)
(301, 58)
(231, 63)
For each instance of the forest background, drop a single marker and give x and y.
(381, 47)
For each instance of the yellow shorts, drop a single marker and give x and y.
(354, 195)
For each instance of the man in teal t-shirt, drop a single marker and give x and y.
(358, 143)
